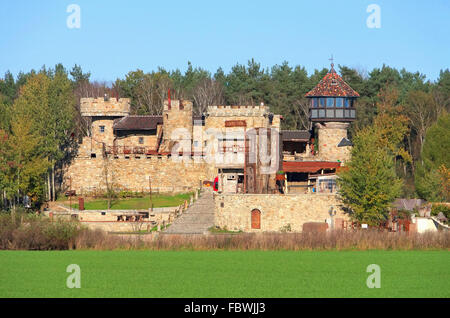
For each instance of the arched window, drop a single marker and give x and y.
(256, 219)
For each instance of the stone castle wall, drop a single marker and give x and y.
(179, 115)
(99, 107)
(89, 175)
(233, 211)
(107, 136)
(132, 140)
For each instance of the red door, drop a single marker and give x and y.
(256, 219)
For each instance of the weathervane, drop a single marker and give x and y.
(332, 60)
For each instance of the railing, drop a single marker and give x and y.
(127, 150)
(232, 149)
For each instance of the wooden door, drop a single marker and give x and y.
(256, 219)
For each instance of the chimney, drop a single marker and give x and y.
(170, 102)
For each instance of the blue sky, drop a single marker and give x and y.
(119, 36)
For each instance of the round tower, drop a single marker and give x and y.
(331, 109)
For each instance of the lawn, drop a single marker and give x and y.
(224, 273)
(158, 200)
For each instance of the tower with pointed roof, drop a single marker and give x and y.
(331, 109)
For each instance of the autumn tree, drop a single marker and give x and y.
(432, 171)
(422, 112)
(48, 99)
(27, 165)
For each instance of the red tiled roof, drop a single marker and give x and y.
(308, 166)
(332, 85)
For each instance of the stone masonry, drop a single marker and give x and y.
(233, 211)
(330, 135)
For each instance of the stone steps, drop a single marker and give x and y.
(197, 219)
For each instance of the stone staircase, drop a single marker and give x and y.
(197, 219)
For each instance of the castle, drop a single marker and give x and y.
(242, 145)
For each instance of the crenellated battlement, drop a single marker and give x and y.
(100, 107)
(175, 104)
(240, 111)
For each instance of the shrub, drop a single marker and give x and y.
(31, 232)
(445, 209)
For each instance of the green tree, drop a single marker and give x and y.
(50, 102)
(430, 171)
(27, 165)
(369, 184)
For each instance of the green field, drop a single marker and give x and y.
(158, 200)
(224, 273)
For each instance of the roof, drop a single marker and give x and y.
(345, 142)
(295, 135)
(146, 122)
(308, 166)
(332, 85)
(408, 204)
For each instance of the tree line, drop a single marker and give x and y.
(41, 124)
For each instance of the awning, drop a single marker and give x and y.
(309, 166)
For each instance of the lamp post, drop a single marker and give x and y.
(150, 189)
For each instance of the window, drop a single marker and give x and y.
(141, 140)
(330, 102)
(347, 102)
(322, 102)
(326, 185)
(315, 102)
(339, 102)
(195, 143)
(102, 129)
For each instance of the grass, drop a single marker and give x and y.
(227, 274)
(216, 230)
(158, 200)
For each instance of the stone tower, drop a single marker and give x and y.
(177, 124)
(103, 111)
(332, 108)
